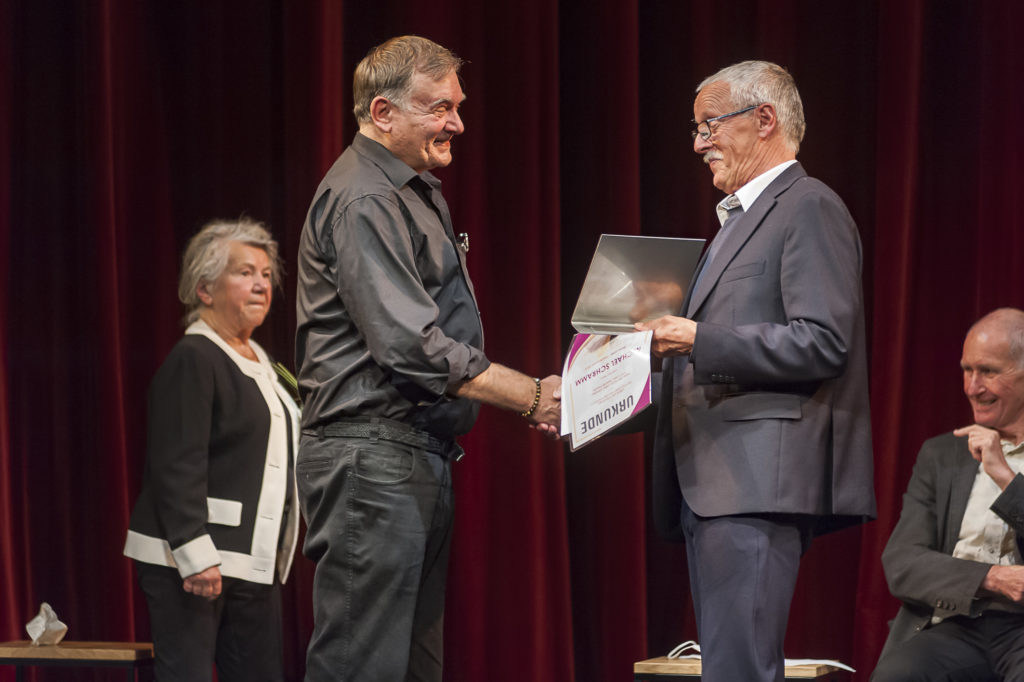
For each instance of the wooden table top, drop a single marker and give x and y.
(79, 651)
(691, 666)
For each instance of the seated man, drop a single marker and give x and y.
(954, 556)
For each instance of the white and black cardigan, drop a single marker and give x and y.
(218, 487)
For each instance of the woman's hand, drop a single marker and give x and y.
(204, 584)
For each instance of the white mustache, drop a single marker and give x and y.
(711, 156)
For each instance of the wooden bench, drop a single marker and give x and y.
(131, 656)
(663, 668)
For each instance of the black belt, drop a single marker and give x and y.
(378, 428)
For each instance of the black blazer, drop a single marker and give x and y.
(218, 487)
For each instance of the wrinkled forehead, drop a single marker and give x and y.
(427, 90)
(714, 99)
(245, 253)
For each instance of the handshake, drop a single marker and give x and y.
(608, 380)
(538, 400)
(545, 413)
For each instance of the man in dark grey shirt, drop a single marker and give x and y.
(391, 370)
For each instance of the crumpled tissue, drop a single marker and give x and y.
(45, 629)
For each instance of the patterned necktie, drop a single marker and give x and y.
(728, 212)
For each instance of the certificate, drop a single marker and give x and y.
(605, 382)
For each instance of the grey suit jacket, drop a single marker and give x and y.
(769, 413)
(918, 561)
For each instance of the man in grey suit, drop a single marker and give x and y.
(954, 557)
(764, 435)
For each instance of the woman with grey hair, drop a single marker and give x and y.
(214, 528)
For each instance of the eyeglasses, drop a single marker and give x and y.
(704, 127)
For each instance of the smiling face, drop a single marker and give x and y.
(732, 152)
(422, 130)
(994, 381)
(240, 299)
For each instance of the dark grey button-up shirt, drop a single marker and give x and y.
(387, 319)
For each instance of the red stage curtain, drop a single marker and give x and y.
(12, 580)
(128, 124)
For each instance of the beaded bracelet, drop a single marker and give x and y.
(536, 400)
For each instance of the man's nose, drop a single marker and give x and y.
(700, 145)
(454, 124)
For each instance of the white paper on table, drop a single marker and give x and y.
(818, 661)
(606, 381)
(690, 645)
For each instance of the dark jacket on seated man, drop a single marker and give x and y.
(918, 558)
(954, 558)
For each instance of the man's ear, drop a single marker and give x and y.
(381, 113)
(766, 119)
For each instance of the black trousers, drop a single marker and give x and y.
(240, 631)
(989, 648)
(379, 518)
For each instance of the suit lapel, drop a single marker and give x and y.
(738, 234)
(685, 309)
(962, 474)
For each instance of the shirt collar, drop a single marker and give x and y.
(247, 366)
(749, 192)
(396, 170)
(1011, 449)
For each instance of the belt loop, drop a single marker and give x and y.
(320, 432)
(374, 429)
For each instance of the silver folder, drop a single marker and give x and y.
(632, 279)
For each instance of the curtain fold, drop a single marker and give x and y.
(12, 570)
(896, 181)
(600, 185)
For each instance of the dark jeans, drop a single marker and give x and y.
(240, 631)
(379, 523)
(743, 570)
(989, 648)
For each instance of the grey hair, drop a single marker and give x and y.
(757, 82)
(1011, 322)
(207, 253)
(387, 70)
